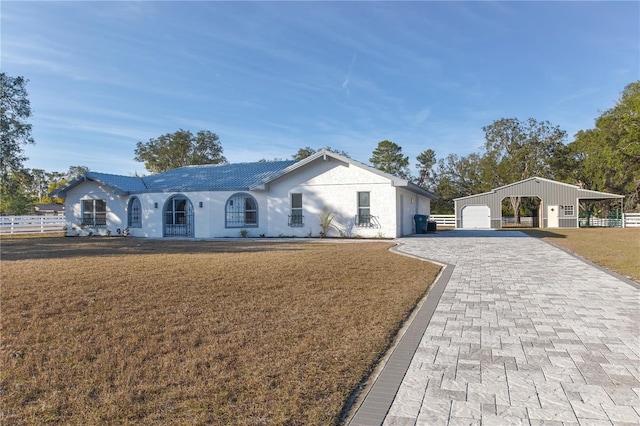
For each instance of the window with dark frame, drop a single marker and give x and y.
(134, 216)
(364, 209)
(94, 213)
(241, 210)
(296, 219)
(176, 212)
(568, 210)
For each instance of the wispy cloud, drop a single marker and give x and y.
(40, 54)
(422, 116)
(587, 91)
(345, 83)
(98, 126)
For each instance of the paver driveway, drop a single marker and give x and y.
(524, 334)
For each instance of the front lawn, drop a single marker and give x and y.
(124, 330)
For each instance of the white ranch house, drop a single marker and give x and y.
(271, 199)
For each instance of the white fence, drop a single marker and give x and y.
(444, 219)
(631, 220)
(597, 222)
(30, 224)
(510, 222)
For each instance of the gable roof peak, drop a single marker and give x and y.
(325, 154)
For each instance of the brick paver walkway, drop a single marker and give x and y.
(524, 334)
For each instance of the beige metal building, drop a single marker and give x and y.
(559, 204)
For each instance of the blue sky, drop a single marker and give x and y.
(272, 77)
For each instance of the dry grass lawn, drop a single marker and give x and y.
(124, 330)
(617, 249)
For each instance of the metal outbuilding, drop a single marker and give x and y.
(559, 204)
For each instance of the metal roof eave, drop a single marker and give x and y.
(91, 177)
(87, 177)
(186, 191)
(537, 179)
(62, 191)
(493, 191)
(587, 194)
(412, 187)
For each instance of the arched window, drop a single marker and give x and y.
(241, 211)
(134, 213)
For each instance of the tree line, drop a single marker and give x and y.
(605, 158)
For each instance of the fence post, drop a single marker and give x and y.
(624, 220)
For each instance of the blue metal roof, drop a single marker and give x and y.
(211, 177)
(214, 177)
(122, 184)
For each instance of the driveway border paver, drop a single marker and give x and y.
(376, 399)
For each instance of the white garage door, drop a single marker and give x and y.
(476, 217)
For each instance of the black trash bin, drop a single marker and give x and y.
(421, 223)
(432, 226)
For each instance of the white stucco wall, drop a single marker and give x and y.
(408, 205)
(209, 219)
(116, 209)
(330, 185)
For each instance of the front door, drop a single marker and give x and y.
(553, 216)
(178, 217)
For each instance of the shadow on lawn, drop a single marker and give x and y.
(68, 247)
(539, 233)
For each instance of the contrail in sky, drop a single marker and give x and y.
(345, 83)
